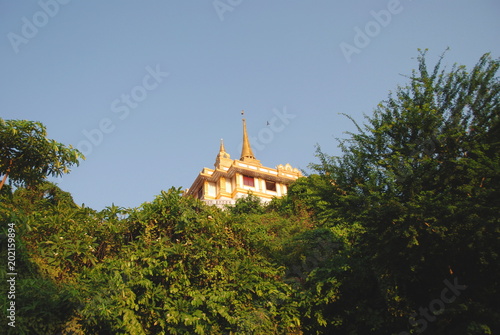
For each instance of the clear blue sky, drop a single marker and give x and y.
(80, 65)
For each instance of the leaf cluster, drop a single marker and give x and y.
(27, 156)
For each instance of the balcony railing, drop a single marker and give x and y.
(219, 202)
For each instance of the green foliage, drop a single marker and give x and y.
(249, 204)
(187, 273)
(27, 156)
(421, 178)
(42, 306)
(171, 266)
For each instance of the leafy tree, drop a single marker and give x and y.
(56, 241)
(27, 156)
(42, 306)
(187, 272)
(250, 204)
(421, 178)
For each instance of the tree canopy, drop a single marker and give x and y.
(27, 156)
(399, 234)
(421, 178)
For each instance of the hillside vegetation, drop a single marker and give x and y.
(398, 235)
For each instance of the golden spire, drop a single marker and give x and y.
(223, 158)
(246, 150)
(222, 149)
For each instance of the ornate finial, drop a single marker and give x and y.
(223, 158)
(222, 149)
(246, 150)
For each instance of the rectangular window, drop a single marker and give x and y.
(248, 181)
(270, 186)
(200, 193)
(212, 189)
